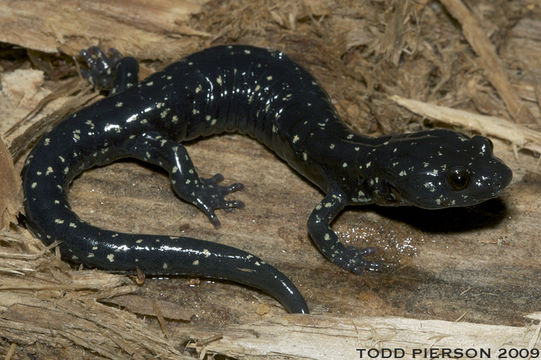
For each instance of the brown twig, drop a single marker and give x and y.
(489, 61)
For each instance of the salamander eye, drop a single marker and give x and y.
(458, 178)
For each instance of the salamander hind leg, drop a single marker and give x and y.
(111, 73)
(347, 257)
(205, 193)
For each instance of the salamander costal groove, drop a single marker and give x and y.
(260, 93)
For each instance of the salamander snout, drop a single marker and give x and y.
(491, 175)
(490, 178)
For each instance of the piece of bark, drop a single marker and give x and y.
(10, 188)
(323, 337)
(516, 134)
(39, 25)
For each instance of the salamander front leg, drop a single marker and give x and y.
(326, 240)
(206, 194)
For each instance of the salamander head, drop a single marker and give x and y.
(437, 169)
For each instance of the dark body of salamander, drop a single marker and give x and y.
(263, 94)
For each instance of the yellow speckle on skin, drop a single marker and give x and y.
(111, 257)
(195, 262)
(206, 252)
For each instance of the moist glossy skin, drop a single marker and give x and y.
(265, 95)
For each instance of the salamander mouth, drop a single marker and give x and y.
(387, 195)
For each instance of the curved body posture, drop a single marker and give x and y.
(263, 94)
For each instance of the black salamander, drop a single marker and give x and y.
(263, 94)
